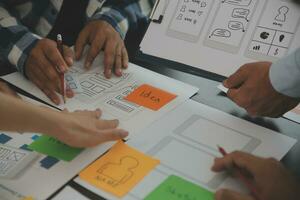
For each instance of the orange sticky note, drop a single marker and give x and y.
(150, 97)
(119, 170)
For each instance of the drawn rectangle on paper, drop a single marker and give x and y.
(189, 19)
(13, 160)
(120, 106)
(215, 134)
(87, 84)
(169, 150)
(101, 82)
(97, 89)
(230, 25)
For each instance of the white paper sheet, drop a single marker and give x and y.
(98, 92)
(219, 36)
(69, 193)
(185, 141)
(294, 114)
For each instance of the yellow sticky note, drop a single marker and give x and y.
(119, 170)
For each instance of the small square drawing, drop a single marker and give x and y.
(97, 89)
(87, 84)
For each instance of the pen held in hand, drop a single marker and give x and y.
(59, 42)
(240, 176)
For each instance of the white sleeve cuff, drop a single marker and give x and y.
(285, 75)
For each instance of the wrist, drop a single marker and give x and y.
(120, 27)
(50, 122)
(28, 44)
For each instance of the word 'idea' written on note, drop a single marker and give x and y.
(119, 170)
(52, 147)
(150, 97)
(176, 188)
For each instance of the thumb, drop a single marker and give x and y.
(225, 194)
(238, 78)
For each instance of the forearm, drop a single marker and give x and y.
(20, 116)
(285, 75)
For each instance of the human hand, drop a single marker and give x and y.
(42, 67)
(270, 179)
(4, 88)
(102, 36)
(84, 128)
(251, 89)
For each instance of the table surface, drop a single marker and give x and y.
(210, 95)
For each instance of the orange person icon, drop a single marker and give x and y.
(119, 173)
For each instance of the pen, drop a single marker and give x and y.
(241, 176)
(62, 75)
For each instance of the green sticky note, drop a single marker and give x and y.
(52, 147)
(176, 188)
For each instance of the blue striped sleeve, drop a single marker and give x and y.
(18, 41)
(124, 14)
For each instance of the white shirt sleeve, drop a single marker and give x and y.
(285, 75)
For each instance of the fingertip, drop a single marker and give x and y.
(69, 93)
(107, 73)
(225, 83)
(55, 100)
(88, 65)
(118, 72)
(123, 133)
(70, 61)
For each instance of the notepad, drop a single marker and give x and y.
(150, 97)
(119, 170)
(176, 188)
(52, 147)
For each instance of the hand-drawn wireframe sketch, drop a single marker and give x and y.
(274, 31)
(241, 13)
(188, 20)
(238, 2)
(73, 83)
(221, 33)
(13, 160)
(282, 12)
(230, 24)
(119, 173)
(236, 25)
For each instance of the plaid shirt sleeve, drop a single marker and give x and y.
(123, 14)
(16, 40)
